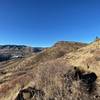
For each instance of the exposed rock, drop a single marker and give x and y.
(29, 93)
(83, 82)
(89, 78)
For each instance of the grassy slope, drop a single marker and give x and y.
(45, 70)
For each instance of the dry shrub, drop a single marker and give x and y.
(58, 81)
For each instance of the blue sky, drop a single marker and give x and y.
(44, 22)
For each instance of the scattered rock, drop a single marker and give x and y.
(29, 93)
(83, 83)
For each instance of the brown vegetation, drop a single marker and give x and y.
(66, 71)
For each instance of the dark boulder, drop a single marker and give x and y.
(28, 93)
(89, 78)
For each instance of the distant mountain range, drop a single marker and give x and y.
(17, 51)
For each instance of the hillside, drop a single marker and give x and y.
(58, 50)
(87, 57)
(65, 71)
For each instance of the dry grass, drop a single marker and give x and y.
(52, 72)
